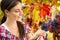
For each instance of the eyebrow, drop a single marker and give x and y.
(17, 9)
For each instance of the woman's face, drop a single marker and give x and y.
(16, 12)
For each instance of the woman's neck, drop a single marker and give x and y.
(12, 26)
(11, 23)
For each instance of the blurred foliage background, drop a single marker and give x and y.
(32, 8)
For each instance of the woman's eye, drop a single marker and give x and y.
(16, 11)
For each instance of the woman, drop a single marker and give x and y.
(11, 28)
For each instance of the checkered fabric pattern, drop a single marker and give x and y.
(6, 35)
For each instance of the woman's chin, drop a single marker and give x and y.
(18, 19)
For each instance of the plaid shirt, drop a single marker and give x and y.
(6, 35)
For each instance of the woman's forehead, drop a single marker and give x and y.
(18, 6)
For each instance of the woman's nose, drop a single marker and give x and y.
(21, 13)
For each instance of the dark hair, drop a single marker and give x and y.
(8, 5)
(21, 28)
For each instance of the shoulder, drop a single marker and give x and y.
(4, 32)
(1, 29)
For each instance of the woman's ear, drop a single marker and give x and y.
(6, 12)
